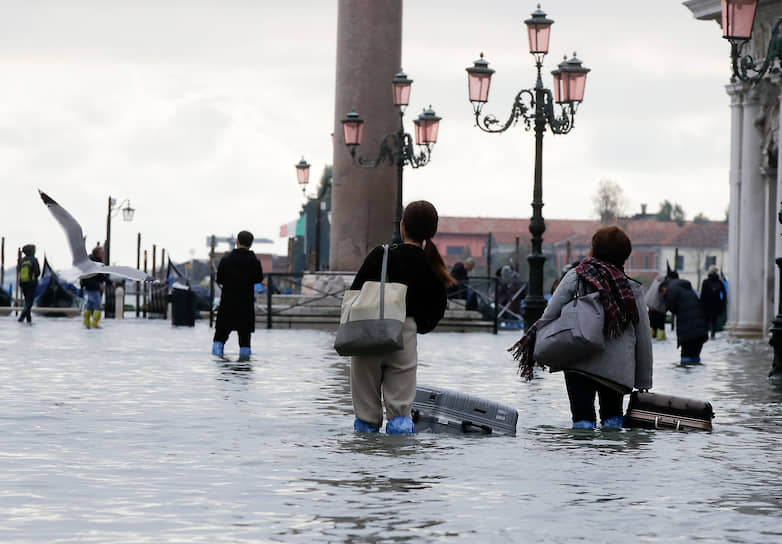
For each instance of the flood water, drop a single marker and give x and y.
(134, 433)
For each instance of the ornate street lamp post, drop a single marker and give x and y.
(127, 215)
(396, 148)
(536, 107)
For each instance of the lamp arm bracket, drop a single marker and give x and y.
(416, 161)
(390, 150)
(562, 124)
(747, 69)
(520, 109)
(115, 208)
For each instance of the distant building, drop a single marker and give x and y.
(690, 248)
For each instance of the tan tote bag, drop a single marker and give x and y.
(371, 319)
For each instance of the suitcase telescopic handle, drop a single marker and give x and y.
(467, 426)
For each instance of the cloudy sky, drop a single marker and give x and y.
(197, 110)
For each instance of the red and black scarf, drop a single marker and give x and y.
(617, 298)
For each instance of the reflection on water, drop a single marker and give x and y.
(134, 433)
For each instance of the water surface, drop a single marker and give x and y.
(134, 433)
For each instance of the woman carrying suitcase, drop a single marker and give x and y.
(626, 361)
(390, 380)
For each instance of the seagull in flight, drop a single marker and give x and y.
(85, 267)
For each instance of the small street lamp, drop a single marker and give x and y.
(397, 147)
(303, 174)
(534, 106)
(738, 17)
(127, 215)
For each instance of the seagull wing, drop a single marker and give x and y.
(126, 272)
(71, 227)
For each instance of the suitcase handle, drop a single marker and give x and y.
(468, 425)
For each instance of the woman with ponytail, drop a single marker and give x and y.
(390, 380)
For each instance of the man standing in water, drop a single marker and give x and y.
(237, 274)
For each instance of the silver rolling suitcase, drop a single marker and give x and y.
(440, 410)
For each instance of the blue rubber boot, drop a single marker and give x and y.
(584, 424)
(614, 422)
(691, 360)
(363, 427)
(244, 354)
(400, 425)
(217, 348)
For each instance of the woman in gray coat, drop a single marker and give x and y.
(626, 361)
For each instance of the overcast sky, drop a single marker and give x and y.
(197, 111)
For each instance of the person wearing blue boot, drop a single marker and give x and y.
(237, 274)
(626, 361)
(389, 380)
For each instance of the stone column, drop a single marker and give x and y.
(369, 52)
(751, 223)
(769, 266)
(736, 93)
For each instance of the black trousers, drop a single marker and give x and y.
(29, 296)
(692, 348)
(711, 321)
(656, 320)
(581, 391)
(221, 335)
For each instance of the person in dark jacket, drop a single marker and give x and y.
(691, 329)
(237, 274)
(460, 272)
(29, 272)
(390, 380)
(713, 298)
(93, 287)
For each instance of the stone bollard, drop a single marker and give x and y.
(119, 302)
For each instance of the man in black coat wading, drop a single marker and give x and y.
(237, 274)
(714, 296)
(691, 330)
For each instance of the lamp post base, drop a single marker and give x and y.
(776, 343)
(534, 306)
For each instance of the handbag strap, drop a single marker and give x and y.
(383, 278)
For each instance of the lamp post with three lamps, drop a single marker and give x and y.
(536, 108)
(738, 18)
(396, 148)
(127, 215)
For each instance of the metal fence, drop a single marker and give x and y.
(488, 299)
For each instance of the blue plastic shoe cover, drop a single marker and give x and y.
(584, 424)
(363, 427)
(244, 354)
(400, 425)
(614, 422)
(691, 359)
(217, 349)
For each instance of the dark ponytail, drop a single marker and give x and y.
(420, 220)
(436, 263)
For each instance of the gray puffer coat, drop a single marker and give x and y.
(626, 362)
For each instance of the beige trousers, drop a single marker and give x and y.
(388, 380)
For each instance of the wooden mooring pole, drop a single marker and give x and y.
(138, 266)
